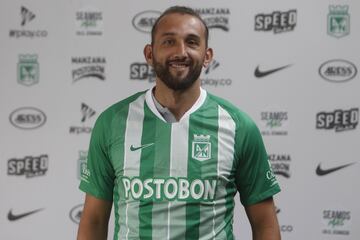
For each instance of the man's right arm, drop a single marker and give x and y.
(94, 219)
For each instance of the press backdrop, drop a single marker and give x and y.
(291, 65)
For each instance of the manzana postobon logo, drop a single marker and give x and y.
(88, 67)
(28, 69)
(338, 21)
(215, 18)
(280, 164)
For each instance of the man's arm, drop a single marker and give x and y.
(263, 220)
(94, 219)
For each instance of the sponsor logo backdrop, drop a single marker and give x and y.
(292, 66)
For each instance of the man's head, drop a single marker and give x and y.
(180, 10)
(179, 48)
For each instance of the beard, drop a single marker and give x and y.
(176, 82)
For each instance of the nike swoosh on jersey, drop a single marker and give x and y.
(133, 148)
(259, 74)
(322, 172)
(14, 217)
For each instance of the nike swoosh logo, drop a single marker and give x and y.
(260, 74)
(13, 217)
(322, 172)
(132, 148)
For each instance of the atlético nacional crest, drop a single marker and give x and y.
(338, 23)
(28, 69)
(201, 147)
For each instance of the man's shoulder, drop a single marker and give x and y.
(235, 112)
(117, 109)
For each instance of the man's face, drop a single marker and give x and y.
(179, 50)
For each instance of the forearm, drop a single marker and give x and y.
(267, 233)
(92, 231)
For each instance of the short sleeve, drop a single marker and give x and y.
(254, 178)
(97, 179)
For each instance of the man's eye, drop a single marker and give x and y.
(193, 42)
(168, 42)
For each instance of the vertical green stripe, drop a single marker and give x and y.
(200, 124)
(154, 162)
(161, 170)
(117, 155)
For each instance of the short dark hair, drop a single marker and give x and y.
(181, 10)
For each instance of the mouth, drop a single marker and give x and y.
(178, 64)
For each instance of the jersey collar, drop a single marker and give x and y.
(150, 102)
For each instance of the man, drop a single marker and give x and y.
(171, 159)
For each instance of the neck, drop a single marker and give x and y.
(177, 101)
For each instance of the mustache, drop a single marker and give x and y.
(183, 60)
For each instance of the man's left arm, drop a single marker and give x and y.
(263, 220)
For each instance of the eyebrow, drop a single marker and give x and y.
(191, 35)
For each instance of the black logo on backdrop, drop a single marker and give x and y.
(337, 222)
(280, 164)
(27, 118)
(284, 228)
(86, 113)
(89, 67)
(274, 123)
(277, 21)
(14, 217)
(89, 22)
(145, 20)
(142, 71)
(75, 213)
(260, 73)
(28, 166)
(337, 70)
(210, 80)
(26, 17)
(320, 171)
(339, 120)
(215, 18)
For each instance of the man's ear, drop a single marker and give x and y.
(148, 54)
(208, 57)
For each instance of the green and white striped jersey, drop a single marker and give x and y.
(176, 180)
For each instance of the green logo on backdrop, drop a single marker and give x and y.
(338, 24)
(28, 69)
(82, 165)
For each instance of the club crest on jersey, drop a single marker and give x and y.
(201, 147)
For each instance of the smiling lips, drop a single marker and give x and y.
(179, 64)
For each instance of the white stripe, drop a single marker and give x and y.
(178, 168)
(133, 133)
(226, 141)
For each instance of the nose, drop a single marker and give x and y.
(180, 50)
